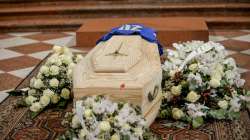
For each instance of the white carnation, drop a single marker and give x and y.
(44, 70)
(54, 70)
(54, 82)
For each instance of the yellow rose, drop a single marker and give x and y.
(177, 113)
(65, 93)
(214, 83)
(88, 113)
(223, 104)
(44, 100)
(55, 98)
(192, 96)
(176, 90)
(35, 107)
(193, 67)
(30, 99)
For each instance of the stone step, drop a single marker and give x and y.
(59, 24)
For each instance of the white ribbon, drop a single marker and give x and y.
(201, 50)
(79, 112)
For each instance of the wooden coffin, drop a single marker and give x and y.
(124, 68)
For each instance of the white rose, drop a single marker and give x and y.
(44, 100)
(223, 104)
(192, 96)
(48, 92)
(54, 70)
(216, 75)
(69, 73)
(44, 69)
(65, 93)
(54, 82)
(214, 83)
(176, 90)
(88, 113)
(31, 92)
(30, 99)
(82, 134)
(55, 98)
(35, 107)
(104, 126)
(54, 59)
(38, 83)
(219, 68)
(75, 122)
(115, 137)
(177, 113)
(66, 59)
(79, 58)
(57, 49)
(193, 67)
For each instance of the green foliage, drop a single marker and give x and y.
(218, 114)
(197, 122)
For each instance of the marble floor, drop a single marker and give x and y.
(21, 52)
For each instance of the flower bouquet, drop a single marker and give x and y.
(201, 83)
(96, 117)
(52, 85)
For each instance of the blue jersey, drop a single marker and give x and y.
(146, 33)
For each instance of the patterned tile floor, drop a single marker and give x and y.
(21, 52)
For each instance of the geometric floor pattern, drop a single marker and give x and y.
(21, 52)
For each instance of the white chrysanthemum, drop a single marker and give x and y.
(45, 100)
(30, 99)
(54, 70)
(54, 82)
(35, 107)
(195, 110)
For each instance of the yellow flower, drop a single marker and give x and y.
(115, 137)
(177, 113)
(88, 113)
(193, 67)
(214, 83)
(55, 98)
(192, 96)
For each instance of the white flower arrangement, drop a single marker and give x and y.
(201, 82)
(52, 85)
(96, 117)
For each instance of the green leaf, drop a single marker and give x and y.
(17, 92)
(218, 114)
(197, 122)
(62, 104)
(125, 137)
(233, 115)
(35, 114)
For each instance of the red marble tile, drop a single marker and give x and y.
(46, 36)
(18, 63)
(8, 81)
(235, 45)
(4, 36)
(31, 48)
(242, 60)
(228, 33)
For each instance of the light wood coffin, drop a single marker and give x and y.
(124, 68)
